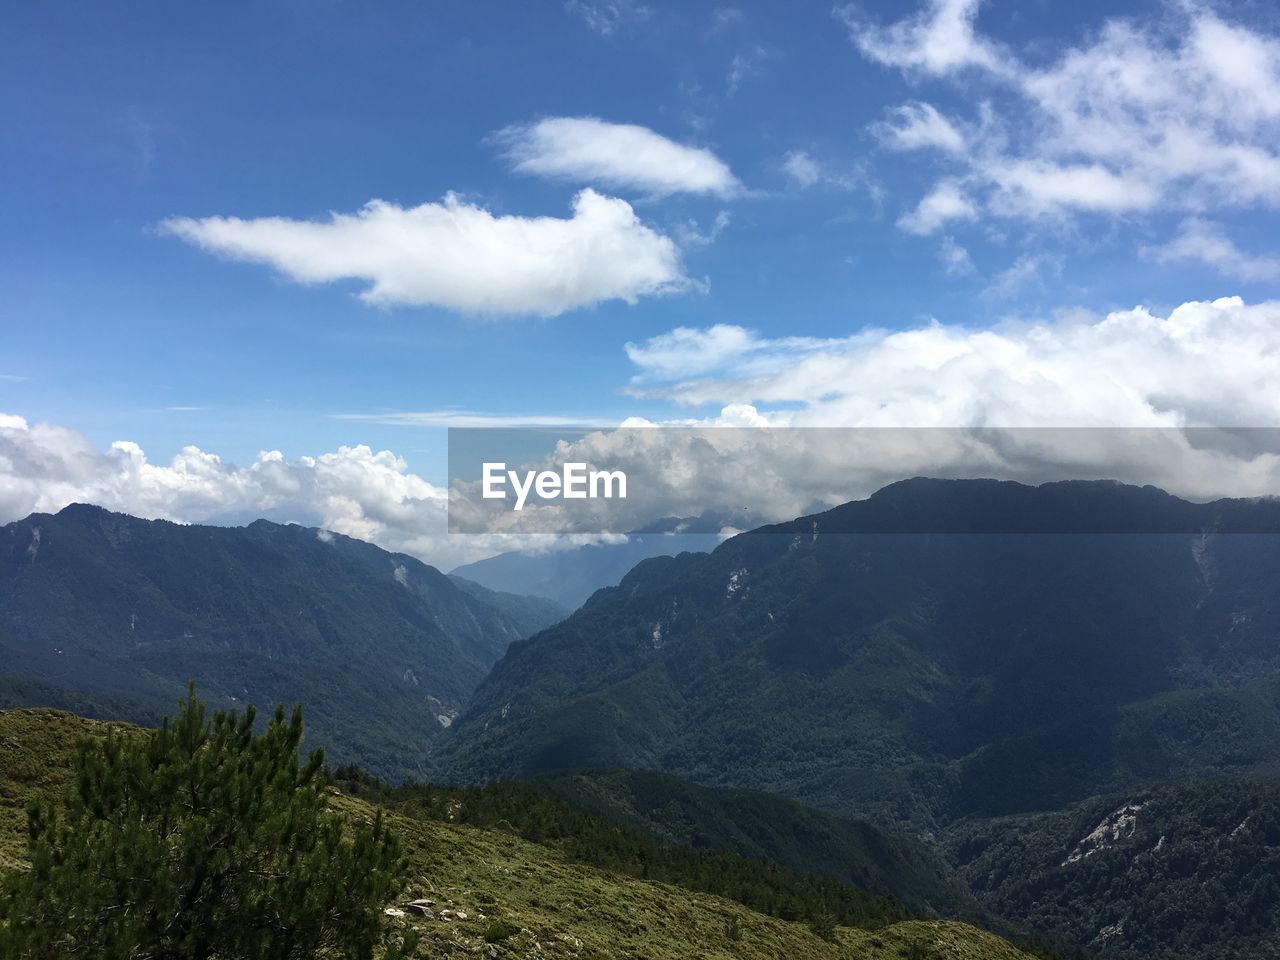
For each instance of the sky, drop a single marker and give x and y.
(253, 260)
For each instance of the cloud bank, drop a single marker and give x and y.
(1204, 363)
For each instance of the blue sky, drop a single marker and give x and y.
(829, 130)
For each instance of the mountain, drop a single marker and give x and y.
(941, 650)
(113, 614)
(569, 576)
(528, 614)
(1184, 871)
(485, 890)
(767, 827)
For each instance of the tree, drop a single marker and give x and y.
(203, 840)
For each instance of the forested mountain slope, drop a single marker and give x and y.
(102, 610)
(987, 648)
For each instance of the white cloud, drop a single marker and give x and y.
(955, 258)
(946, 203)
(1205, 363)
(460, 256)
(939, 40)
(469, 418)
(620, 155)
(1027, 271)
(690, 234)
(1208, 243)
(354, 490)
(916, 126)
(687, 352)
(1175, 113)
(806, 171)
(802, 168)
(607, 16)
(1032, 188)
(745, 64)
(722, 18)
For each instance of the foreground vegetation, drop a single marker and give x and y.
(205, 839)
(487, 891)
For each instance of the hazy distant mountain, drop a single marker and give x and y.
(570, 576)
(927, 670)
(101, 610)
(528, 614)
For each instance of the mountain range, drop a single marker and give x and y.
(1053, 710)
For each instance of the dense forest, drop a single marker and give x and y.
(1176, 871)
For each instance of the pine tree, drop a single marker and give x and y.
(203, 840)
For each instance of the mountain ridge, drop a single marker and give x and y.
(913, 677)
(102, 604)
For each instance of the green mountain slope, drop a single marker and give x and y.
(101, 608)
(754, 824)
(1173, 872)
(490, 893)
(912, 676)
(527, 613)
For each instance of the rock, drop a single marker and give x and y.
(421, 907)
(393, 912)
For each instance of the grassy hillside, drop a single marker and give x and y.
(497, 895)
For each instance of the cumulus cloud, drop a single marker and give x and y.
(620, 155)
(1014, 398)
(354, 490)
(1176, 113)
(1206, 242)
(460, 256)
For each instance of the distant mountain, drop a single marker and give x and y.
(528, 614)
(569, 576)
(111, 614)
(768, 827)
(943, 649)
(1185, 871)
